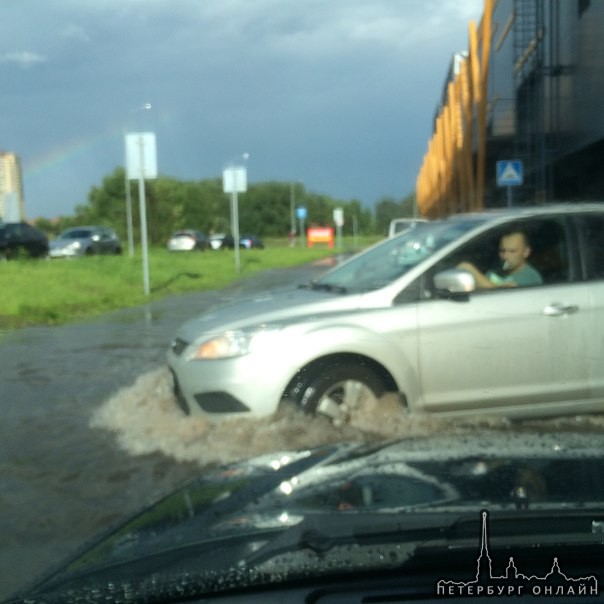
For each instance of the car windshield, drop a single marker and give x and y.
(395, 257)
(76, 234)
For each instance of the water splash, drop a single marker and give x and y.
(145, 419)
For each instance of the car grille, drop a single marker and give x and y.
(178, 345)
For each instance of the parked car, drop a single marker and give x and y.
(401, 317)
(187, 240)
(221, 241)
(18, 238)
(85, 241)
(251, 241)
(398, 225)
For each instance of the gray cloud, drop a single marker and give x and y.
(23, 58)
(339, 94)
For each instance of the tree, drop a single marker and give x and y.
(171, 204)
(388, 208)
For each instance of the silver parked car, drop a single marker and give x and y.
(406, 316)
(85, 241)
(187, 240)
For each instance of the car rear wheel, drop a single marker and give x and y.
(337, 390)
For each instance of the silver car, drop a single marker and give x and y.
(85, 241)
(402, 317)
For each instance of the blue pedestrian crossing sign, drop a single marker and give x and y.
(510, 173)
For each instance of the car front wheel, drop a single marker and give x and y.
(337, 390)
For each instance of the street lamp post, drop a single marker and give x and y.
(141, 163)
(292, 210)
(292, 205)
(129, 229)
(235, 181)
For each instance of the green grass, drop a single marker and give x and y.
(50, 292)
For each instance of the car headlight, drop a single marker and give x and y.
(233, 343)
(223, 346)
(75, 245)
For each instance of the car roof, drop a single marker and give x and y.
(527, 211)
(85, 228)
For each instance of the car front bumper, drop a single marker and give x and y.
(222, 388)
(62, 252)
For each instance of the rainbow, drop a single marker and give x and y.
(79, 147)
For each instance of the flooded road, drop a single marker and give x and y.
(91, 432)
(65, 477)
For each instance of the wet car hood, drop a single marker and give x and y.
(242, 519)
(274, 307)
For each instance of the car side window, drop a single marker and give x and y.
(549, 251)
(15, 230)
(592, 233)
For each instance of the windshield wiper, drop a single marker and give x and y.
(322, 286)
(418, 542)
(413, 532)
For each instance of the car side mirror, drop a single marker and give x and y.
(454, 283)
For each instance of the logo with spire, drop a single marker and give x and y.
(513, 582)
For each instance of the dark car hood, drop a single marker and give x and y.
(220, 521)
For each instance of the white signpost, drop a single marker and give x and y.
(141, 163)
(234, 180)
(338, 218)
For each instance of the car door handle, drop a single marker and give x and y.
(558, 310)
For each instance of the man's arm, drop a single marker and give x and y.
(482, 281)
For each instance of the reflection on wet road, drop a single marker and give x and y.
(91, 431)
(63, 482)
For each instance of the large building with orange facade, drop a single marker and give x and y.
(529, 90)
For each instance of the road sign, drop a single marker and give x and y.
(141, 155)
(510, 173)
(234, 179)
(301, 213)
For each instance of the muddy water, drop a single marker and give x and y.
(63, 476)
(90, 431)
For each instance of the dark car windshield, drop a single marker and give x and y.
(393, 258)
(76, 234)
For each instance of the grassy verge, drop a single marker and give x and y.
(44, 292)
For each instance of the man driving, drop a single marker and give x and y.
(514, 251)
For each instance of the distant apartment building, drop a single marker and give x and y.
(11, 188)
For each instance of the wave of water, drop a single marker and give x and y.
(146, 419)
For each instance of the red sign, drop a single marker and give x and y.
(320, 235)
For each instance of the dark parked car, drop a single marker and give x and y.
(187, 240)
(251, 241)
(222, 241)
(85, 241)
(18, 238)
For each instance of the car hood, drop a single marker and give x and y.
(59, 243)
(243, 515)
(275, 307)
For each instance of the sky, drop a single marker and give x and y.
(338, 95)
